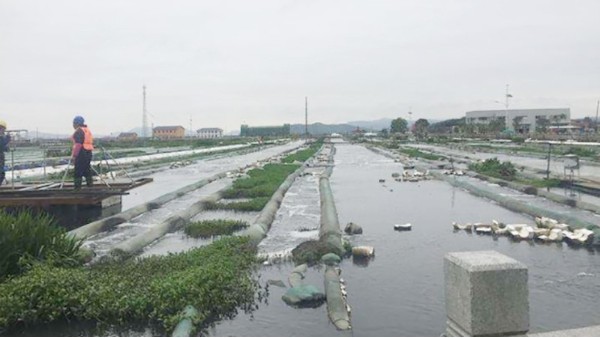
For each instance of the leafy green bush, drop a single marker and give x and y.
(216, 279)
(26, 238)
(214, 227)
(493, 167)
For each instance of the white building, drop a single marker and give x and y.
(528, 119)
(210, 133)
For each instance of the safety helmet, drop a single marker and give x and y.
(78, 120)
(2, 124)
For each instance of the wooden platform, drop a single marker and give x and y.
(50, 193)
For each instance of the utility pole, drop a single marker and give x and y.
(597, 106)
(144, 115)
(306, 117)
(548, 166)
(506, 122)
(191, 133)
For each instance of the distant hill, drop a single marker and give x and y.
(375, 125)
(320, 128)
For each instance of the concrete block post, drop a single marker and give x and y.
(486, 294)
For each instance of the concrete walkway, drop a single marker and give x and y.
(590, 331)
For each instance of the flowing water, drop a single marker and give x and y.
(401, 291)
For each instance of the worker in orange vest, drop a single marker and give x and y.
(4, 140)
(82, 152)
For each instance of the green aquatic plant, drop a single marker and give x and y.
(259, 186)
(216, 279)
(214, 227)
(411, 152)
(26, 238)
(255, 204)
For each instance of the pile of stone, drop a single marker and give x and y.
(453, 172)
(545, 230)
(179, 164)
(410, 176)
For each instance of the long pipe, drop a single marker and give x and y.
(110, 222)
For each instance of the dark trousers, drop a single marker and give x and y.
(82, 166)
(2, 173)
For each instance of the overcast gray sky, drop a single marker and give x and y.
(224, 63)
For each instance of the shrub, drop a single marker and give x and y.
(26, 237)
(493, 167)
(214, 227)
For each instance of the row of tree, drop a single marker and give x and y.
(422, 127)
(400, 125)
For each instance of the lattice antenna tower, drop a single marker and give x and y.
(144, 115)
(306, 117)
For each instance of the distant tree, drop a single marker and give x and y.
(517, 123)
(421, 128)
(399, 125)
(384, 132)
(541, 124)
(556, 119)
(447, 126)
(496, 125)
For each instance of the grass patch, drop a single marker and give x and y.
(262, 183)
(259, 186)
(214, 227)
(542, 183)
(581, 152)
(255, 204)
(411, 152)
(216, 279)
(494, 168)
(303, 155)
(26, 238)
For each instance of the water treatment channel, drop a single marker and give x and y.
(401, 291)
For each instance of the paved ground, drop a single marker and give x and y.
(590, 331)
